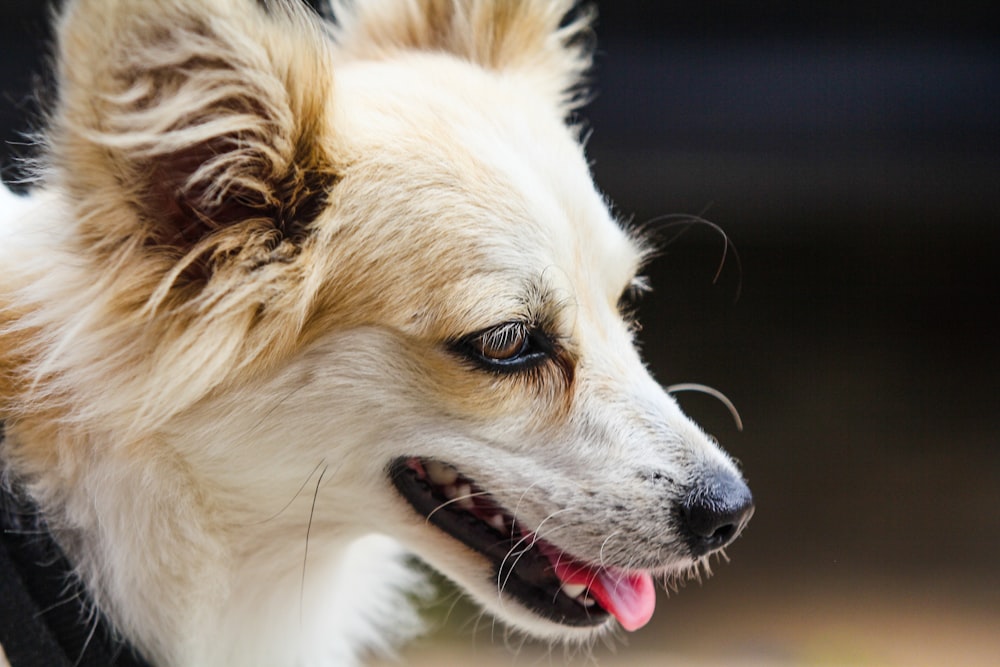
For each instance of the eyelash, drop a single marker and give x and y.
(533, 347)
(520, 346)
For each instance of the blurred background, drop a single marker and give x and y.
(850, 152)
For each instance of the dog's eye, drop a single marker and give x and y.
(503, 343)
(508, 347)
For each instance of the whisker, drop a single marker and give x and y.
(604, 544)
(305, 554)
(534, 538)
(452, 501)
(686, 222)
(289, 503)
(714, 393)
(517, 507)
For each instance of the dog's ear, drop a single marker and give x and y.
(194, 128)
(546, 40)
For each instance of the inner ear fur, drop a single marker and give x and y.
(199, 127)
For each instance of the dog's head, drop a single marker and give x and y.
(378, 246)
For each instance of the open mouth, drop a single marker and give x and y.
(540, 576)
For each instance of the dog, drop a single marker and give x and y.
(294, 298)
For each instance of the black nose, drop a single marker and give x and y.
(715, 512)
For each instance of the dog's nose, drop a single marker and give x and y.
(715, 512)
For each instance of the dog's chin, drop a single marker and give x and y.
(524, 580)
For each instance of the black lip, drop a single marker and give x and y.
(527, 575)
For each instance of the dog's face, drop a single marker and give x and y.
(387, 257)
(548, 471)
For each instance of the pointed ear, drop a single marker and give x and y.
(549, 41)
(195, 126)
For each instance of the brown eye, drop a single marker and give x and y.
(503, 343)
(506, 348)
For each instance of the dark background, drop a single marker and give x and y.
(851, 153)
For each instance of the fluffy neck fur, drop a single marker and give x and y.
(187, 564)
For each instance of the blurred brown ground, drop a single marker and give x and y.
(743, 619)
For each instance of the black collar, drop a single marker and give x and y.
(46, 617)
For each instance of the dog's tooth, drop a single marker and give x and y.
(463, 495)
(497, 521)
(586, 602)
(441, 473)
(574, 590)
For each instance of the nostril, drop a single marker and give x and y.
(715, 512)
(709, 522)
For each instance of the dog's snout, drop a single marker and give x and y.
(715, 512)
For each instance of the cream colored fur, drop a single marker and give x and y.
(228, 305)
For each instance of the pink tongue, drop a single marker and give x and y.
(631, 598)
